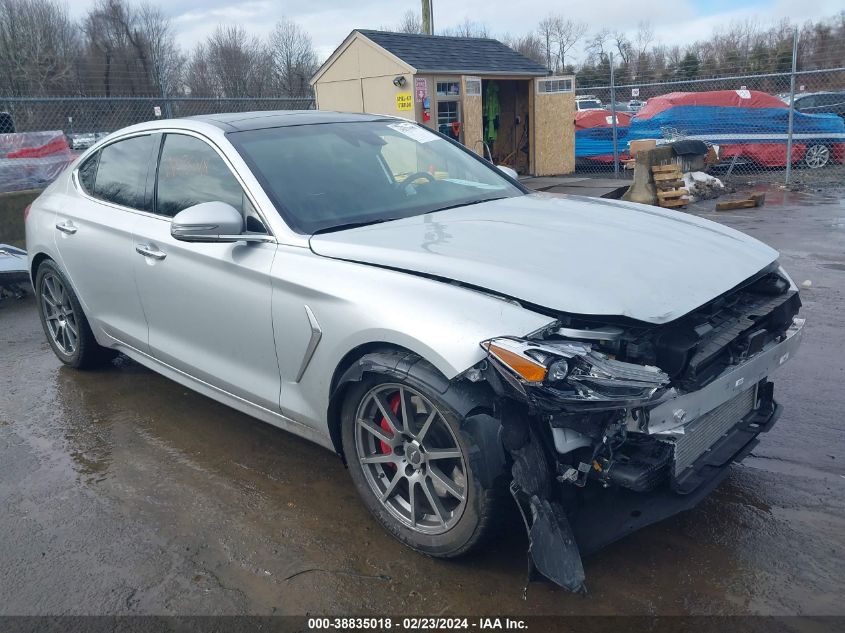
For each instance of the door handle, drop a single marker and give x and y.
(66, 227)
(147, 251)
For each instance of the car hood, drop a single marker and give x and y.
(578, 255)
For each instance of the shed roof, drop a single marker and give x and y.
(442, 54)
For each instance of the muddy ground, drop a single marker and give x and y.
(122, 493)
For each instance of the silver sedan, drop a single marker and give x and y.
(460, 342)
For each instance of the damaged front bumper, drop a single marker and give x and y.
(587, 471)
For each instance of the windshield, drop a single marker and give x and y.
(335, 175)
(585, 104)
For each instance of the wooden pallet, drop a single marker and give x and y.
(669, 181)
(672, 193)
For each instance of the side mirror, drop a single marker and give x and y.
(508, 171)
(212, 222)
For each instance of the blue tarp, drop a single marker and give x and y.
(719, 124)
(598, 141)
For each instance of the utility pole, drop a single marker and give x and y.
(427, 18)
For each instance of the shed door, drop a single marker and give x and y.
(554, 131)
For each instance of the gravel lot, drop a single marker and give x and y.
(123, 493)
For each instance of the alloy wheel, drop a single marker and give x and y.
(411, 458)
(817, 156)
(59, 314)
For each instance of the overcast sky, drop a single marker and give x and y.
(329, 21)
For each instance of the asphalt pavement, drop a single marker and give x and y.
(123, 493)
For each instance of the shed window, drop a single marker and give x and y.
(447, 112)
(448, 88)
(546, 86)
(473, 86)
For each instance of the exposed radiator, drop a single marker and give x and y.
(702, 433)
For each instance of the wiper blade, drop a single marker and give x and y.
(466, 204)
(351, 225)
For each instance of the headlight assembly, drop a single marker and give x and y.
(573, 371)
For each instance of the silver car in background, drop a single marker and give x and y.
(460, 342)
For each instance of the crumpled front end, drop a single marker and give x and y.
(613, 424)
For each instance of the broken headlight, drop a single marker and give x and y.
(574, 371)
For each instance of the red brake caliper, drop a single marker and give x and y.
(394, 406)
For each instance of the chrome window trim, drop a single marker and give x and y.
(168, 130)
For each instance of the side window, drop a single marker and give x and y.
(191, 172)
(87, 173)
(806, 102)
(122, 172)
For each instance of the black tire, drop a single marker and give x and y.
(483, 508)
(86, 353)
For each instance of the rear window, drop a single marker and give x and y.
(122, 172)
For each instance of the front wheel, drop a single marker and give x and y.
(409, 461)
(817, 156)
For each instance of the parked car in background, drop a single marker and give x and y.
(745, 124)
(82, 140)
(587, 102)
(635, 105)
(820, 103)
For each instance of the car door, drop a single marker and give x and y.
(207, 304)
(94, 235)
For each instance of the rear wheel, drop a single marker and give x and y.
(817, 156)
(409, 461)
(63, 321)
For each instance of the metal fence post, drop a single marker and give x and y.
(168, 110)
(613, 119)
(791, 106)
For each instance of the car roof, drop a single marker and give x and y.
(259, 120)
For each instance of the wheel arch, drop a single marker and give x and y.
(37, 260)
(466, 398)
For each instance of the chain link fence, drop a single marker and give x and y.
(745, 118)
(102, 115)
(40, 136)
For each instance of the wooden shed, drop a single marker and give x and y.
(480, 92)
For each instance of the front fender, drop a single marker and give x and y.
(358, 305)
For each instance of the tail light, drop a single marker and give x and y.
(26, 212)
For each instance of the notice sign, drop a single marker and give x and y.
(635, 92)
(421, 89)
(404, 101)
(157, 110)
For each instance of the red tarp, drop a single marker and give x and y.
(723, 98)
(587, 119)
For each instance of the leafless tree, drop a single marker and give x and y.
(166, 60)
(130, 50)
(38, 45)
(567, 34)
(623, 46)
(294, 59)
(238, 62)
(529, 45)
(118, 50)
(199, 79)
(559, 35)
(411, 23)
(468, 28)
(597, 46)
